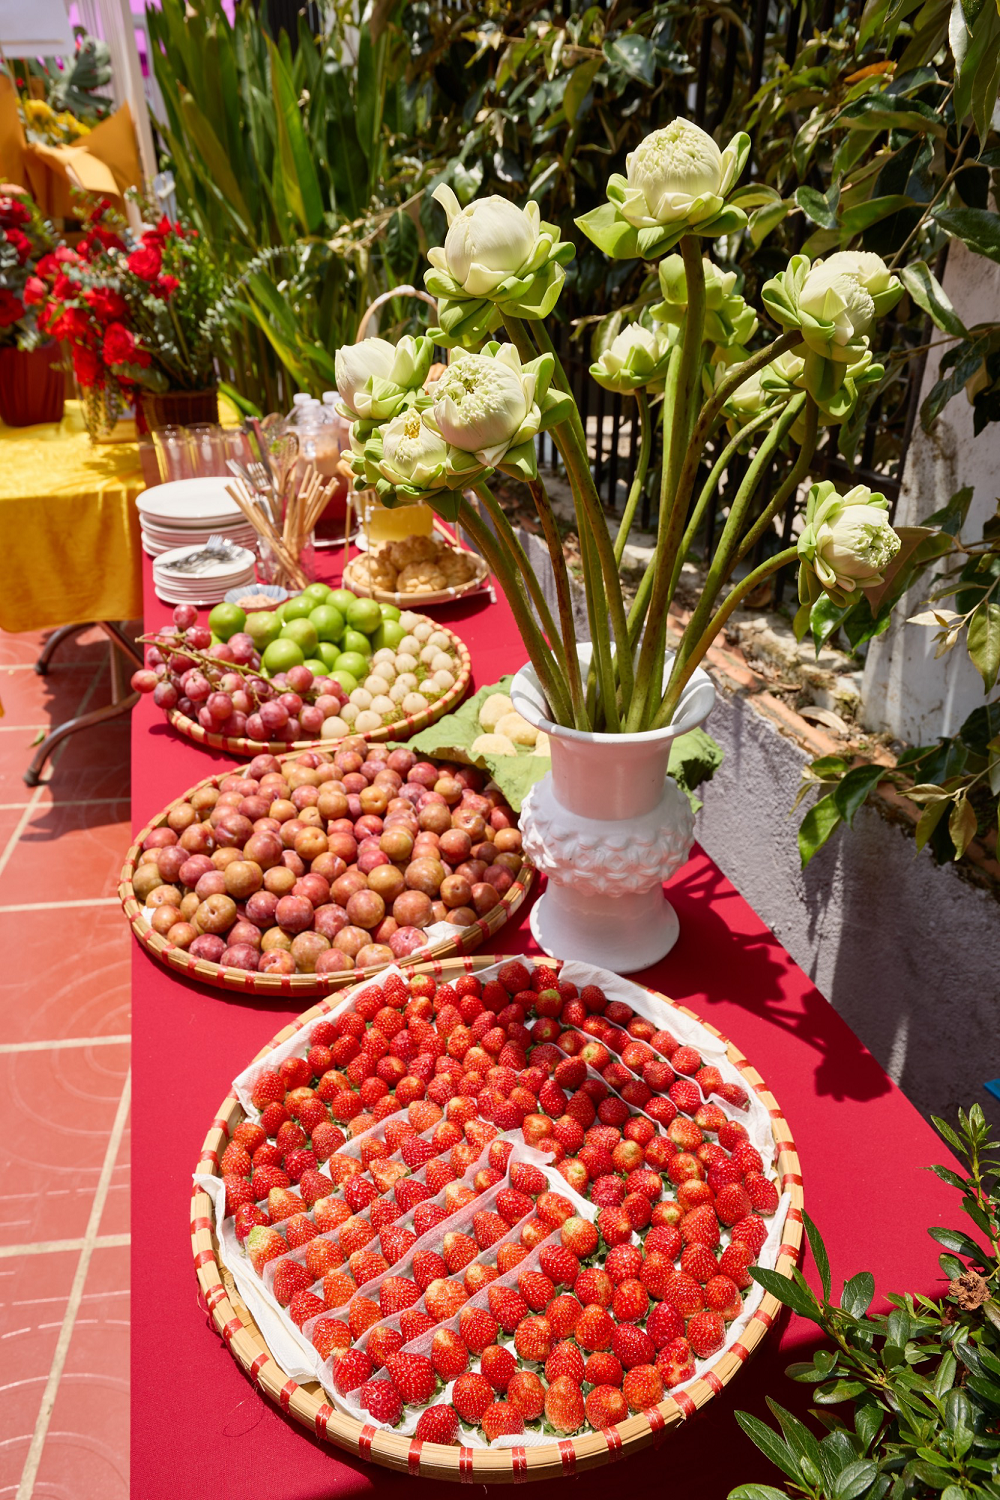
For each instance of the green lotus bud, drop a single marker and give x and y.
(836, 313)
(846, 543)
(636, 357)
(728, 318)
(376, 379)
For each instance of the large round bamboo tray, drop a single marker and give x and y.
(307, 1402)
(354, 580)
(400, 730)
(466, 939)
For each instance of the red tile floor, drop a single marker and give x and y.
(64, 1084)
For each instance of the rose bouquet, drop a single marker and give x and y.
(25, 238)
(136, 311)
(694, 360)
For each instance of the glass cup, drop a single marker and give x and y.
(174, 453)
(209, 448)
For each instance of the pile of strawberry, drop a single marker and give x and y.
(390, 1199)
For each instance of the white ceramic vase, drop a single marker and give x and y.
(607, 826)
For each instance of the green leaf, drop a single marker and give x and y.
(951, 517)
(984, 642)
(819, 1254)
(821, 208)
(770, 1444)
(756, 1492)
(854, 220)
(452, 735)
(219, 176)
(840, 1390)
(301, 185)
(962, 824)
(816, 827)
(402, 245)
(825, 617)
(578, 86)
(855, 1479)
(976, 227)
(929, 295)
(763, 220)
(694, 757)
(956, 1241)
(857, 1295)
(929, 820)
(635, 55)
(799, 1298)
(852, 791)
(755, 195)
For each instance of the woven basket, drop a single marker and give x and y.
(466, 939)
(400, 730)
(307, 1402)
(354, 580)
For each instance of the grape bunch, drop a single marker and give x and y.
(221, 687)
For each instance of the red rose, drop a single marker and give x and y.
(11, 308)
(67, 256)
(47, 266)
(86, 364)
(65, 290)
(119, 345)
(20, 242)
(13, 211)
(165, 287)
(35, 291)
(72, 324)
(106, 305)
(146, 262)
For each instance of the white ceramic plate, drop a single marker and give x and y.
(190, 502)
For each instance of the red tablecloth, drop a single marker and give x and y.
(200, 1430)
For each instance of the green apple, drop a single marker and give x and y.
(317, 668)
(319, 593)
(341, 598)
(263, 627)
(226, 619)
(328, 621)
(347, 680)
(280, 656)
(327, 653)
(303, 633)
(390, 611)
(356, 640)
(389, 633)
(364, 615)
(298, 608)
(354, 663)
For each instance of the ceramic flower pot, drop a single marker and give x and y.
(607, 826)
(32, 386)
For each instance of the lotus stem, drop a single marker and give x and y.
(509, 538)
(564, 600)
(799, 470)
(639, 478)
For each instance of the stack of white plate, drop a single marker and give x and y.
(188, 511)
(209, 585)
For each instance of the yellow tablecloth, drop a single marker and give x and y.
(69, 528)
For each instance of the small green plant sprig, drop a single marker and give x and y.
(921, 1384)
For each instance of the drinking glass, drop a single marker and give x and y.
(209, 448)
(174, 453)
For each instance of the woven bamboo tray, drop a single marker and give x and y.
(307, 1402)
(354, 580)
(466, 939)
(400, 730)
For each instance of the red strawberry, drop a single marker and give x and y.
(685, 1094)
(395, 1293)
(748, 1158)
(514, 976)
(303, 1306)
(235, 1161)
(509, 1256)
(762, 1192)
(498, 1365)
(512, 1206)
(700, 1226)
(533, 1339)
(458, 1249)
(264, 1244)
(501, 1418)
(595, 1328)
(594, 1285)
(267, 1178)
(603, 1368)
(663, 1239)
(605, 1406)
(382, 1401)
(675, 1362)
(735, 1261)
(488, 1228)
(282, 1203)
(733, 1094)
(362, 1314)
(382, 1342)
(507, 1306)
(427, 1215)
(338, 1288)
(642, 1387)
(396, 1242)
(699, 1262)
(722, 1296)
(565, 1359)
(526, 1394)
(365, 1265)
(706, 1333)
(527, 1178)
(299, 1230)
(664, 1324)
(246, 1217)
(331, 1336)
(630, 1303)
(269, 1088)
(732, 1201)
(427, 1267)
(477, 1328)
(472, 1395)
(443, 1299)
(438, 1424)
(564, 1407)
(685, 1294)
(752, 1232)
(536, 1289)
(563, 1312)
(623, 1263)
(413, 1376)
(685, 1060)
(449, 1355)
(413, 1323)
(249, 1135)
(559, 1264)
(350, 1371)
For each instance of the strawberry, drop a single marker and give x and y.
(735, 1262)
(514, 976)
(395, 1293)
(449, 1355)
(663, 1239)
(427, 1215)
(655, 1272)
(282, 1203)
(536, 1289)
(269, 1088)
(722, 1296)
(382, 1401)
(630, 1302)
(632, 1346)
(732, 1201)
(698, 1262)
(299, 1161)
(458, 1249)
(675, 1362)
(471, 1395)
(299, 1230)
(246, 1217)
(700, 1226)
(313, 1186)
(594, 1285)
(527, 1178)
(685, 1060)
(382, 1342)
(595, 1329)
(559, 1264)
(438, 1424)
(235, 1161)
(526, 1394)
(684, 1294)
(414, 1377)
(603, 1368)
(684, 1133)
(731, 1134)
(509, 1256)
(362, 1314)
(563, 1313)
(734, 1094)
(477, 1328)
(359, 1193)
(512, 1206)
(751, 1232)
(623, 1263)
(533, 1232)
(249, 1135)
(338, 1288)
(615, 1226)
(498, 1365)
(501, 1418)
(488, 1228)
(303, 1306)
(355, 1234)
(664, 1324)
(365, 1265)
(706, 1333)
(477, 1276)
(443, 1299)
(642, 1387)
(533, 1338)
(427, 1267)
(272, 1117)
(748, 1158)
(384, 1211)
(396, 1242)
(564, 1407)
(413, 1323)
(350, 1371)
(264, 1244)
(507, 1306)
(762, 1192)
(565, 1359)
(265, 1179)
(605, 1406)
(685, 1095)
(331, 1336)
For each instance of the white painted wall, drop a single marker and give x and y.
(904, 689)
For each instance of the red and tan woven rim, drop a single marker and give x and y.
(401, 730)
(466, 939)
(307, 1402)
(418, 601)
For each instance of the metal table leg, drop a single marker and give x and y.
(119, 642)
